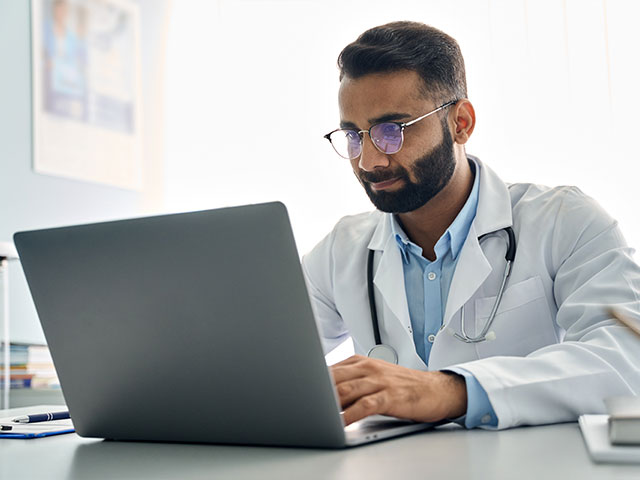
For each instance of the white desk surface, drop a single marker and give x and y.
(547, 452)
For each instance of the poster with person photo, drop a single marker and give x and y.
(86, 91)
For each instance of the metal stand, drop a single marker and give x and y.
(7, 252)
(6, 344)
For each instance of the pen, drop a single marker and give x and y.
(42, 417)
(624, 320)
(4, 428)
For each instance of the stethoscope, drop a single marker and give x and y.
(388, 353)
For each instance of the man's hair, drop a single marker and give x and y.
(396, 46)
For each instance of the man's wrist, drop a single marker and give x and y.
(457, 386)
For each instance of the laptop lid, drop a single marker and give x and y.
(193, 327)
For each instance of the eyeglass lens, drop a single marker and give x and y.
(387, 137)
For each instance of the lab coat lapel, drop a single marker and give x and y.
(389, 275)
(494, 202)
(472, 269)
(492, 214)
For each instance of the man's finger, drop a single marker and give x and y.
(351, 360)
(369, 405)
(352, 390)
(344, 374)
(355, 367)
(348, 371)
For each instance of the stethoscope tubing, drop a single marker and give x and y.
(509, 257)
(372, 299)
(462, 336)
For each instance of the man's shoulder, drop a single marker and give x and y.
(349, 233)
(535, 202)
(354, 230)
(536, 195)
(359, 225)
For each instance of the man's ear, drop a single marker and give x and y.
(464, 120)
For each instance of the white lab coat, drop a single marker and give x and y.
(556, 353)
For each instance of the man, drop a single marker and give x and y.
(541, 348)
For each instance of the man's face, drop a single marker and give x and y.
(406, 180)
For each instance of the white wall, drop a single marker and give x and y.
(29, 200)
(553, 81)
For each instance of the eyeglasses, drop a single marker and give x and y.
(387, 137)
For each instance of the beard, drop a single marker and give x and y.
(432, 172)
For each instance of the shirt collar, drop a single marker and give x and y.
(401, 238)
(454, 237)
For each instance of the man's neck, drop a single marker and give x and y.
(428, 223)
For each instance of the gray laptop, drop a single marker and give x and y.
(193, 327)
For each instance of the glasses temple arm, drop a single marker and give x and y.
(430, 113)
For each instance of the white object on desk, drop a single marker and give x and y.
(7, 252)
(624, 419)
(595, 430)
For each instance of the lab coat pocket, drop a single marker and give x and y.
(523, 322)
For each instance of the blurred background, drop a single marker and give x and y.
(226, 101)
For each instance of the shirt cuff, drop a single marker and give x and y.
(480, 413)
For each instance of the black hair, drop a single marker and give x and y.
(396, 46)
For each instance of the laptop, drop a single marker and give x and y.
(193, 327)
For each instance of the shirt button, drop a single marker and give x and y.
(431, 338)
(486, 418)
(431, 276)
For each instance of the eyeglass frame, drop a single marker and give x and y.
(402, 126)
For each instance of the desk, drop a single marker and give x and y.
(554, 451)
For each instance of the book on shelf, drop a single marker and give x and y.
(18, 381)
(624, 420)
(31, 366)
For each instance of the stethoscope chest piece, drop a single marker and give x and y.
(384, 352)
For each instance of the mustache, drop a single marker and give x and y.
(381, 176)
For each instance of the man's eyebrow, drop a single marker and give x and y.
(348, 125)
(387, 117)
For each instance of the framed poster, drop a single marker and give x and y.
(86, 91)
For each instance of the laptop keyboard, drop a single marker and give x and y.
(375, 423)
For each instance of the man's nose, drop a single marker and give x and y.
(371, 157)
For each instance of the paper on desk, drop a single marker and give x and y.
(35, 430)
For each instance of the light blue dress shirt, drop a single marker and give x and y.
(427, 286)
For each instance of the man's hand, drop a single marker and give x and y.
(368, 386)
